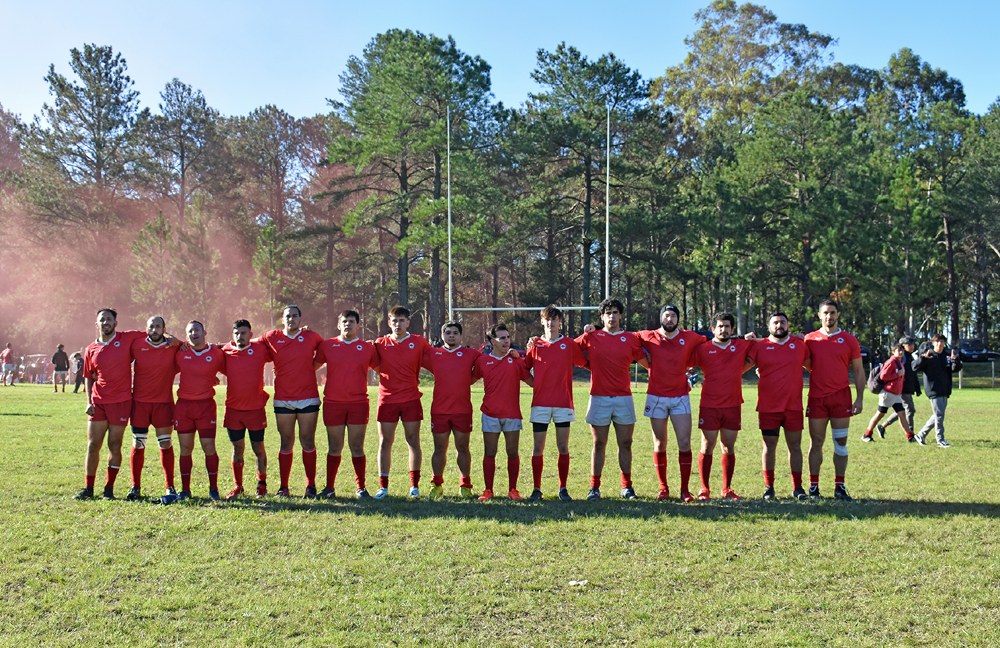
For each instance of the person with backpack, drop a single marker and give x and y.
(891, 375)
(911, 388)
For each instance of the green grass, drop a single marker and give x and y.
(915, 561)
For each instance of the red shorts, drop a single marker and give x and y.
(336, 414)
(245, 419)
(445, 423)
(159, 415)
(195, 415)
(406, 412)
(113, 413)
(789, 419)
(719, 418)
(831, 406)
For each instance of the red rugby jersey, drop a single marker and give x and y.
(552, 364)
(245, 375)
(501, 384)
(610, 355)
(399, 367)
(452, 380)
(723, 369)
(198, 371)
(892, 375)
(153, 371)
(109, 364)
(294, 368)
(347, 365)
(779, 366)
(830, 356)
(669, 359)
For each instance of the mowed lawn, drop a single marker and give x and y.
(915, 560)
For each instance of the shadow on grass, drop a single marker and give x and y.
(503, 510)
(35, 414)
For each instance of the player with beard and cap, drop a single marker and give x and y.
(154, 369)
(723, 361)
(780, 359)
(834, 355)
(245, 403)
(107, 366)
(197, 363)
(667, 395)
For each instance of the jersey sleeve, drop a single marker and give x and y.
(855, 348)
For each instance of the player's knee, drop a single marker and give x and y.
(165, 442)
(139, 436)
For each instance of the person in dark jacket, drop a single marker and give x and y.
(911, 388)
(937, 367)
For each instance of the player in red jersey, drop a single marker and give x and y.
(892, 375)
(833, 354)
(551, 359)
(667, 395)
(451, 408)
(401, 354)
(345, 399)
(502, 371)
(107, 365)
(245, 403)
(198, 364)
(610, 353)
(154, 369)
(296, 396)
(780, 359)
(723, 361)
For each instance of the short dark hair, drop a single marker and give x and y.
(550, 312)
(725, 317)
(399, 311)
(777, 314)
(829, 302)
(240, 323)
(291, 306)
(452, 324)
(937, 337)
(350, 313)
(496, 328)
(610, 303)
(194, 322)
(113, 312)
(898, 347)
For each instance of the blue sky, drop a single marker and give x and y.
(246, 54)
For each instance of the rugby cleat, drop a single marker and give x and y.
(664, 494)
(235, 493)
(169, 497)
(362, 493)
(686, 496)
(769, 495)
(629, 493)
(881, 430)
(133, 495)
(437, 492)
(704, 495)
(414, 492)
(310, 492)
(486, 496)
(564, 495)
(814, 492)
(109, 493)
(514, 495)
(84, 494)
(183, 495)
(283, 492)
(536, 495)
(382, 493)
(327, 493)
(213, 494)
(800, 494)
(261, 488)
(466, 492)
(730, 494)
(594, 494)
(840, 492)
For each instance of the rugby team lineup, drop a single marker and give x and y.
(130, 375)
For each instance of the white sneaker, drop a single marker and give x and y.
(943, 444)
(382, 493)
(414, 492)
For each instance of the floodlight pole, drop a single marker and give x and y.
(450, 286)
(607, 213)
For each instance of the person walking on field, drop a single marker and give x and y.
(892, 374)
(911, 388)
(60, 371)
(937, 367)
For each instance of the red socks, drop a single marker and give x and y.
(167, 462)
(284, 467)
(332, 466)
(660, 464)
(537, 462)
(112, 476)
(595, 481)
(513, 471)
(186, 463)
(238, 474)
(626, 480)
(684, 462)
(563, 466)
(360, 464)
(796, 480)
(705, 469)
(309, 463)
(769, 478)
(414, 478)
(489, 471)
(136, 459)
(728, 462)
(212, 468)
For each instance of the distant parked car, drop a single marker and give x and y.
(972, 350)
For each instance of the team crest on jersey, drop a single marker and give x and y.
(208, 358)
(510, 360)
(359, 347)
(622, 338)
(117, 343)
(562, 346)
(300, 339)
(412, 345)
(681, 341)
(840, 340)
(249, 351)
(459, 354)
(732, 348)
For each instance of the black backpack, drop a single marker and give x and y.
(875, 384)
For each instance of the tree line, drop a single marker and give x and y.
(757, 175)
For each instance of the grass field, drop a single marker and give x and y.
(914, 561)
